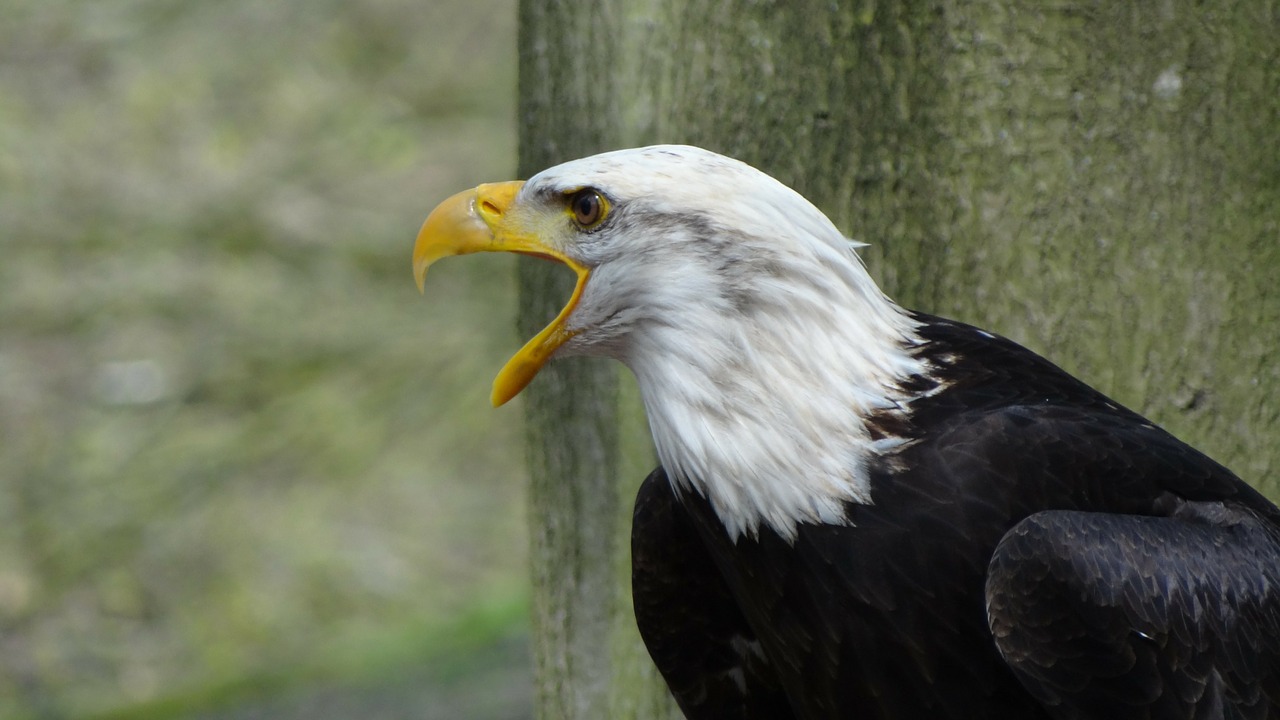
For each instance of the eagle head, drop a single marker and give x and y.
(752, 327)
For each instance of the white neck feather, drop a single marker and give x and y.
(764, 412)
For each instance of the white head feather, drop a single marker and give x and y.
(759, 342)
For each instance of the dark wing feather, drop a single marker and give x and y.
(1105, 615)
(698, 638)
(1130, 531)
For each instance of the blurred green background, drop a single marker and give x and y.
(245, 470)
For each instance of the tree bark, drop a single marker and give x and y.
(1098, 181)
(588, 445)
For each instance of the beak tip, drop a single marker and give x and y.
(500, 395)
(452, 228)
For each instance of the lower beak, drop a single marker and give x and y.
(486, 219)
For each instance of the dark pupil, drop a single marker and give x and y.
(586, 208)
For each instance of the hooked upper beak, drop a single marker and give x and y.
(489, 219)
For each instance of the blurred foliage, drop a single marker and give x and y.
(234, 441)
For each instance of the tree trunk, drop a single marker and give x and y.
(1098, 181)
(588, 445)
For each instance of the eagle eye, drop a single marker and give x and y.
(588, 208)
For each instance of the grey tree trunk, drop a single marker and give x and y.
(1098, 181)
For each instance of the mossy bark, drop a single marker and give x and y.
(1098, 181)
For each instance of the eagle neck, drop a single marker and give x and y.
(765, 411)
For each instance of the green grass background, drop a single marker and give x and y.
(245, 469)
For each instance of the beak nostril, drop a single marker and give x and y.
(489, 208)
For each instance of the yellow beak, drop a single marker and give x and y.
(486, 219)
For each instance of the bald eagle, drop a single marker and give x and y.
(868, 512)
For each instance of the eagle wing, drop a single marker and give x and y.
(1167, 617)
(698, 638)
(1152, 584)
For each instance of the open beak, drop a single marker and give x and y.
(486, 219)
